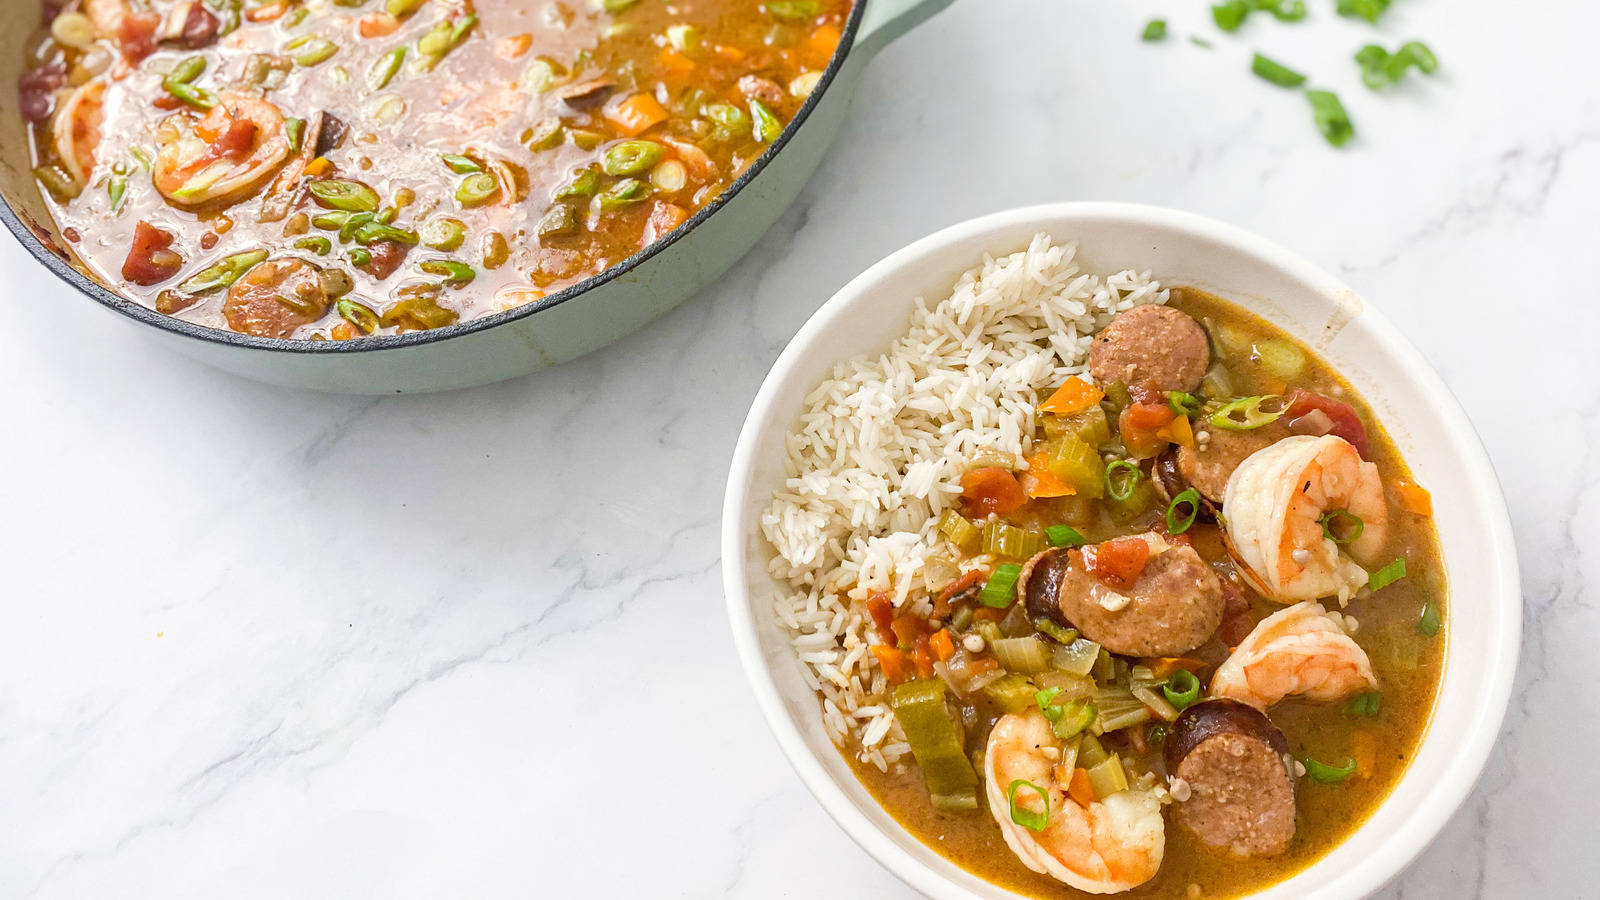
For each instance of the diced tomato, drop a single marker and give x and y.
(966, 582)
(1346, 422)
(1139, 425)
(150, 261)
(922, 658)
(882, 612)
(1119, 561)
(896, 666)
(909, 629)
(991, 491)
(137, 36)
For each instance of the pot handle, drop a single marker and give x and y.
(885, 20)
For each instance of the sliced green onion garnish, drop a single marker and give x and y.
(1064, 536)
(295, 130)
(1247, 413)
(185, 71)
(477, 189)
(1387, 575)
(1430, 622)
(766, 125)
(315, 243)
(1073, 718)
(1183, 404)
(1050, 710)
(1342, 526)
(1154, 30)
(349, 196)
(375, 231)
(1331, 119)
(452, 272)
(1122, 478)
(116, 190)
(359, 315)
(1182, 689)
(1364, 704)
(197, 97)
(1001, 588)
(1329, 774)
(630, 157)
(1380, 68)
(1284, 10)
(461, 165)
(359, 256)
(1276, 72)
(383, 71)
(1182, 510)
(222, 273)
(1033, 821)
(1199, 41)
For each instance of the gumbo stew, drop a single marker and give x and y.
(329, 169)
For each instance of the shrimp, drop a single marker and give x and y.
(1109, 846)
(1302, 650)
(77, 129)
(224, 156)
(1273, 510)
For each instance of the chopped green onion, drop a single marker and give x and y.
(185, 71)
(1072, 718)
(1182, 403)
(1380, 68)
(1331, 119)
(452, 272)
(1387, 575)
(1370, 10)
(315, 243)
(1033, 821)
(1364, 704)
(359, 256)
(383, 71)
(1178, 521)
(222, 273)
(1063, 536)
(1199, 41)
(1122, 479)
(1284, 10)
(1000, 589)
(1329, 774)
(767, 125)
(375, 231)
(197, 97)
(1230, 14)
(295, 130)
(1043, 698)
(1058, 633)
(444, 234)
(350, 196)
(1342, 526)
(630, 157)
(1182, 689)
(623, 193)
(1154, 30)
(582, 184)
(794, 10)
(1276, 72)
(1430, 622)
(477, 189)
(461, 165)
(311, 50)
(116, 191)
(359, 315)
(1247, 413)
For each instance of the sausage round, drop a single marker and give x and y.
(1174, 605)
(1152, 347)
(1040, 584)
(1240, 785)
(1208, 470)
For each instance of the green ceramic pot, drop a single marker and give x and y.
(558, 328)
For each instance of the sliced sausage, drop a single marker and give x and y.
(1236, 766)
(585, 94)
(1156, 348)
(275, 298)
(1208, 470)
(757, 88)
(1172, 607)
(1040, 584)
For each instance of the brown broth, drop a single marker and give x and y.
(1408, 665)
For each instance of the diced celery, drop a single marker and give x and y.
(1105, 669)
(961, 532)
(1010, 541)
(1060, 634)
(1090, 752)
(1026, 655)
(1107, 777)
(1067, 686)
(1079, 466)
(1122, 717)
(1089, 426)
(1075, 716)
(1152, 698)
(989, 631)
(935, 739)
(1012, 693)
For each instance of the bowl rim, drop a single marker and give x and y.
(20, 227)
(1470, 757)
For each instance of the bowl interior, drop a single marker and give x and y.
(1425, 421)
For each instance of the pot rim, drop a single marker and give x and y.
(21, 228)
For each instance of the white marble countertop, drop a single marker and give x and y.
(270, 644)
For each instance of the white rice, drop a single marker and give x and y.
(878, 454)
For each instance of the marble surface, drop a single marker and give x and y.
(270, 644)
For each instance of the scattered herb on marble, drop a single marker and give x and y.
(1331, 118)
(1380, 68)
(1154, 30)
(1371, 10)
(1276, 72)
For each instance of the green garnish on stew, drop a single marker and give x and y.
(1387, 575)
(1063, 536)
(1326, 774)
(1365, 704)
(1001, 588)
(1430, 622)
(1033, 821)
(1380, 68)
(1182, 689)
(1342, 526)
(1122, 478)
(1183, 509)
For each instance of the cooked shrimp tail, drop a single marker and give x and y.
(1301, 651)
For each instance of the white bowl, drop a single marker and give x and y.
(1484, 608)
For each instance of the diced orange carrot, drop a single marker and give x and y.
(1079, 788)
(1073, 397)
(982, 664)
(378, 24)
(636, 114)
(1413, 497)
(267, 12)
(1162, 667)
(319, 167)
(922, 658)
(665, 217)
(1039, 481)
(896, 665)
(731, 54)
(943, 646)
(515, 45)
(675, 64)
(343, 331)
(819, 46)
